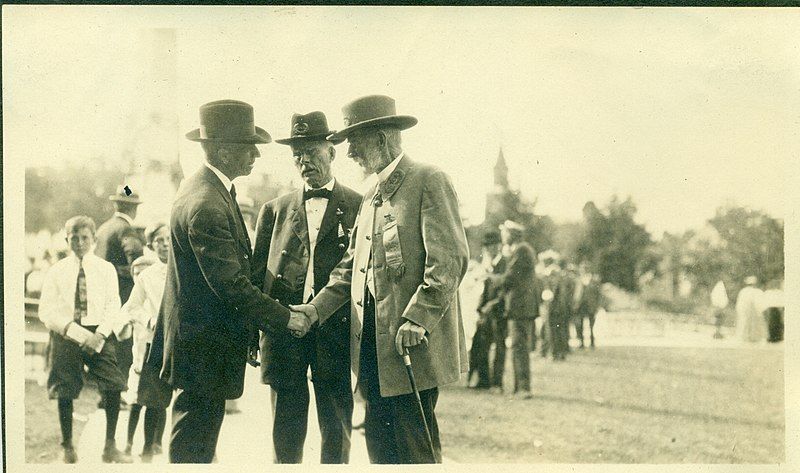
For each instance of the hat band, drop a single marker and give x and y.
(245, 131)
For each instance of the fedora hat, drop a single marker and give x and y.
(311, 126)
(125, 194)
(228, 121)
(370, 111)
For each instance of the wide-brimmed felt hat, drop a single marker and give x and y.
(371, 111)
(125, 194)
(228, 121)
(311, 126)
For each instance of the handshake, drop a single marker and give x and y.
(301, 318)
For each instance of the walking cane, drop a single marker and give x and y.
(412, 380)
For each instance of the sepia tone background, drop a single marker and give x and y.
(655, 144)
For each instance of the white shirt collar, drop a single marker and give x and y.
(328, 186)
(124, 216)
(384, 174)
(222, 177)
(86, 258)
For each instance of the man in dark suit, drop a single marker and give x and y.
(110, 247)
(210, 308)
(300, 238)
(490, 309)
(518, 287)
(561, 312)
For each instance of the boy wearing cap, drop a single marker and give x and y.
(80, 306)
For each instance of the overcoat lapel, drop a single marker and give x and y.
(299, 222)
(242, 238)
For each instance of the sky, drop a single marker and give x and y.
(684, 110)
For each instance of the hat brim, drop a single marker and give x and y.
(261, 137)
(130, 200)
(317, 137)
(400, 122)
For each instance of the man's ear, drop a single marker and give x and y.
(382, 140)
(332, 150)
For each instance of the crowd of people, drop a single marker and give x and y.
(518, 290)
(171, 315)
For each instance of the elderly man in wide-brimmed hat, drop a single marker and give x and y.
(407, 256)
(300, 238)
(210, 307)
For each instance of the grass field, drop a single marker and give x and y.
(611, 405)
(42, 433)
(627, 405)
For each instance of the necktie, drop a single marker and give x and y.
(80, 295)
(321, 192)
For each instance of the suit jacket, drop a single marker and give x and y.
(563, 295)
(280, 263)
(591, 299)
(109, 247)
(210, 308)
(419, 253)
(491, 303)
(518, 283)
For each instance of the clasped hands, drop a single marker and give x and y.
(301, 318)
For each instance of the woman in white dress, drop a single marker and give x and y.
(142, 310)
(750, 324)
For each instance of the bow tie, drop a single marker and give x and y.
(321, 192)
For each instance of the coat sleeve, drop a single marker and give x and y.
(264, 228)
(216, 251)
(446, 253)
(519, 270)
(337, 292)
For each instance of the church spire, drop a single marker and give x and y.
(501, 171)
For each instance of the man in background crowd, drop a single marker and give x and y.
(588, 299)
(521, 304)
(490, 312)
(110, 247)
(561, 312)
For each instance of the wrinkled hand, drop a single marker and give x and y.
(298, 324)
(408, 335)
(94, 344)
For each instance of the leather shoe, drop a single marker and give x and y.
(69, 455)
(112, 455)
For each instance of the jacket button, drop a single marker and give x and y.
(341, 245)
(280, 276)
(344, 319)
(284, 252)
